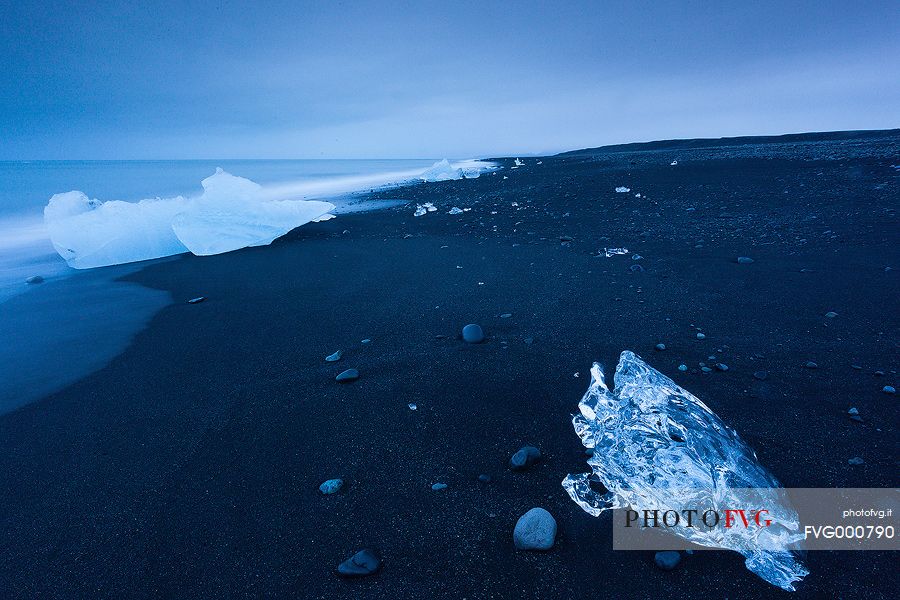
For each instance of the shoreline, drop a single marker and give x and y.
(189, 465)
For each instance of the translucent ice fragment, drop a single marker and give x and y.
(455, 211)
(622, 189)
(656, 446)
(607, 252)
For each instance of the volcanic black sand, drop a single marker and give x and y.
(189, 466)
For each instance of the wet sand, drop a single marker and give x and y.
(189, 466)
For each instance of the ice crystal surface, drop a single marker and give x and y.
(658, 447)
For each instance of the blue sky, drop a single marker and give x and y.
(197, 79)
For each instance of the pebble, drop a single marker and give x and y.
(721, 366)
(667, 560)
(334, 357)
(701, 336)
(831, 315)
(332, 486)
(347, 376)
(524, 458)
(35, 279)
(682, 368)
(439, 486)
(473, 333)
(535, 530)
(856, 461)
(660, 347)
(744, 260)
(706, 369)
(761, 375)
(484, 478)
(889, 389)
(811, 365)
(365, 562)
(197, 300)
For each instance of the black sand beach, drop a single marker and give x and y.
(189, 466)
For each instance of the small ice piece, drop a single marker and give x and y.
(455, 211)
(608, 252)
(622, 189)
(519, 163)
(673, 163)
(430, 207)
(658, 447)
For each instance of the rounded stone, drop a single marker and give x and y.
(332, 486)
(682, 368)
(347, 376)
(721, 366)
(365, 562)
(701, 336)
(439, 486)
(524, 458)
(473, 333)
(667, 560)
(811, 365)
(660, 347)
(484, 478)
(535, 530)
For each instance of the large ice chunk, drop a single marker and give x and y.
(441, 171)
(657, 447)
(231, 213)
(89, 233)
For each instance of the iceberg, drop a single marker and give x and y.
(231, 213)
(658, 447)
(441, 171)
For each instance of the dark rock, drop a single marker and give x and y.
(473, 333)
(524, 458)
(535, 530)
(332, 486)
(667, 560)
(347, 376)
(364, 562)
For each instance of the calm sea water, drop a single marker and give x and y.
(54, 333)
